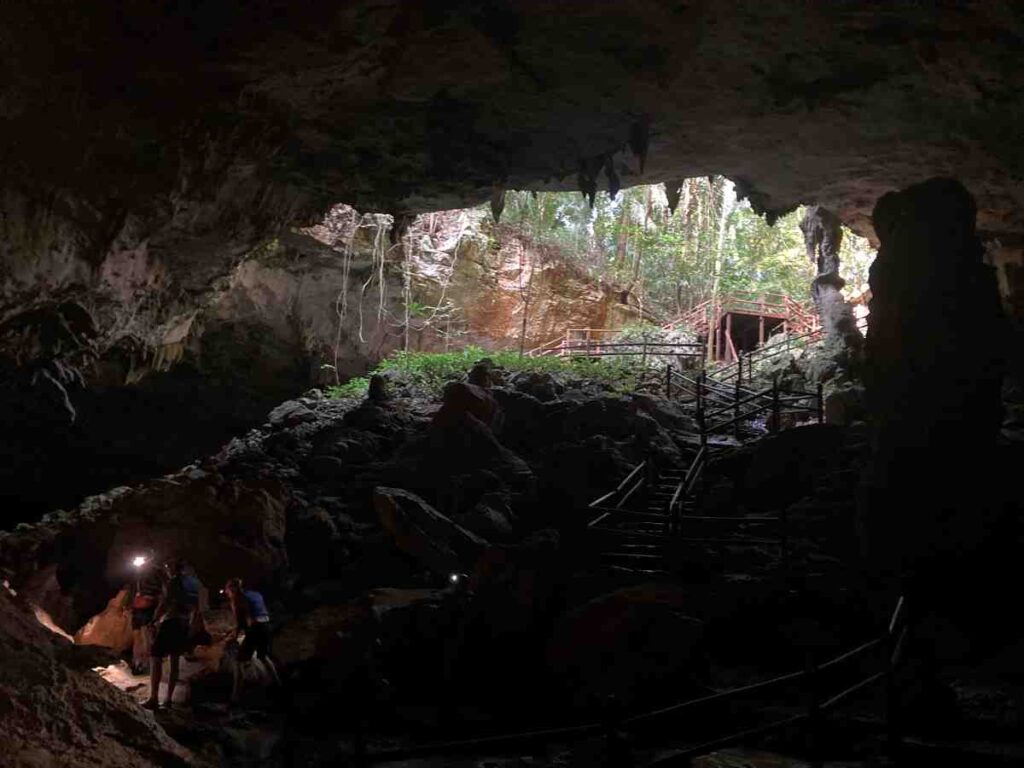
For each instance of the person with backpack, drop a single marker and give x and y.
(252, 618)
(174, 615)
(141, 599)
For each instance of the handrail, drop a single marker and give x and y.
(616, 344)
(685, 485)
(744, 401)
(618, 489)
(646, 718)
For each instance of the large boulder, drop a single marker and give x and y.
(632, 644)
(322, 633)
(56, 712)
(462, 400)
(542, 386)
(313, 541)
(490, 518)
(844, 404)
(421, 531)
(786, 465)
(111, 628)
(289, 414)
(466, 445)
(574, 474)
(528, 421)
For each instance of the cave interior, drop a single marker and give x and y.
(432, 565)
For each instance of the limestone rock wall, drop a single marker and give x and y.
(120, 370)
(58, 712)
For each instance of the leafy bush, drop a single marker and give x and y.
(352, 388)
(430, 371)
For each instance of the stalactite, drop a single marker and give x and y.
(497, 203)
(673, 190)
(614, 183)
(640, 140)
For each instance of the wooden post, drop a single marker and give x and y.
(616, 748)
(736, 405)
(821, 405)
(700, 407)
(668, 381)
(359, 742)
(712, 334)
(894, 639)
(760, 331)
(784, 544)
(643, 354)
(814, 713)
(892, 700)
(728, 337)
(775, 407)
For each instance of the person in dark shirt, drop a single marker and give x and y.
(252, 618)
(141, 598)
(174, 615)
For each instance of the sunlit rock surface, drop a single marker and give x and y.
(57, 711)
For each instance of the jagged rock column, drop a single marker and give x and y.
(823, 236)
(933, 372)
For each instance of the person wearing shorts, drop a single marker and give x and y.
(174, 615)
(253, 619)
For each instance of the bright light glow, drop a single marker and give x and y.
(138, 561)
(454, 578)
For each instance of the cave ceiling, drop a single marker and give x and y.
(285, 108)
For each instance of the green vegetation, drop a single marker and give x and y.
(430, 371)
(355, 387)
(711, 244)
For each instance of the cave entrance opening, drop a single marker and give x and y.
(745, 333)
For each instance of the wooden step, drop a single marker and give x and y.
(645, 573)
(722, 519)
(623, 533)
(630, 515)
(735, 542)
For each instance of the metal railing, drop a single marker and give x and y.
(742, 403)
(654, 722)
(615, 500)
(745, 362)
(588, 346)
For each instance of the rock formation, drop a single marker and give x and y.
(87, 382)
(159, 174)
(57, 712)
(823, 235)
(934, 366)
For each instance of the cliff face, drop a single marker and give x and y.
(102, 364)
(499, 273)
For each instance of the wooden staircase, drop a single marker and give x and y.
(656, 531)
(632, 539)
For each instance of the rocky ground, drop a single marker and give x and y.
(352, 517)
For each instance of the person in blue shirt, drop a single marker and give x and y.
(174, 615)
(253, 619)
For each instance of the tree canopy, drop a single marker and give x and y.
(672, 260)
